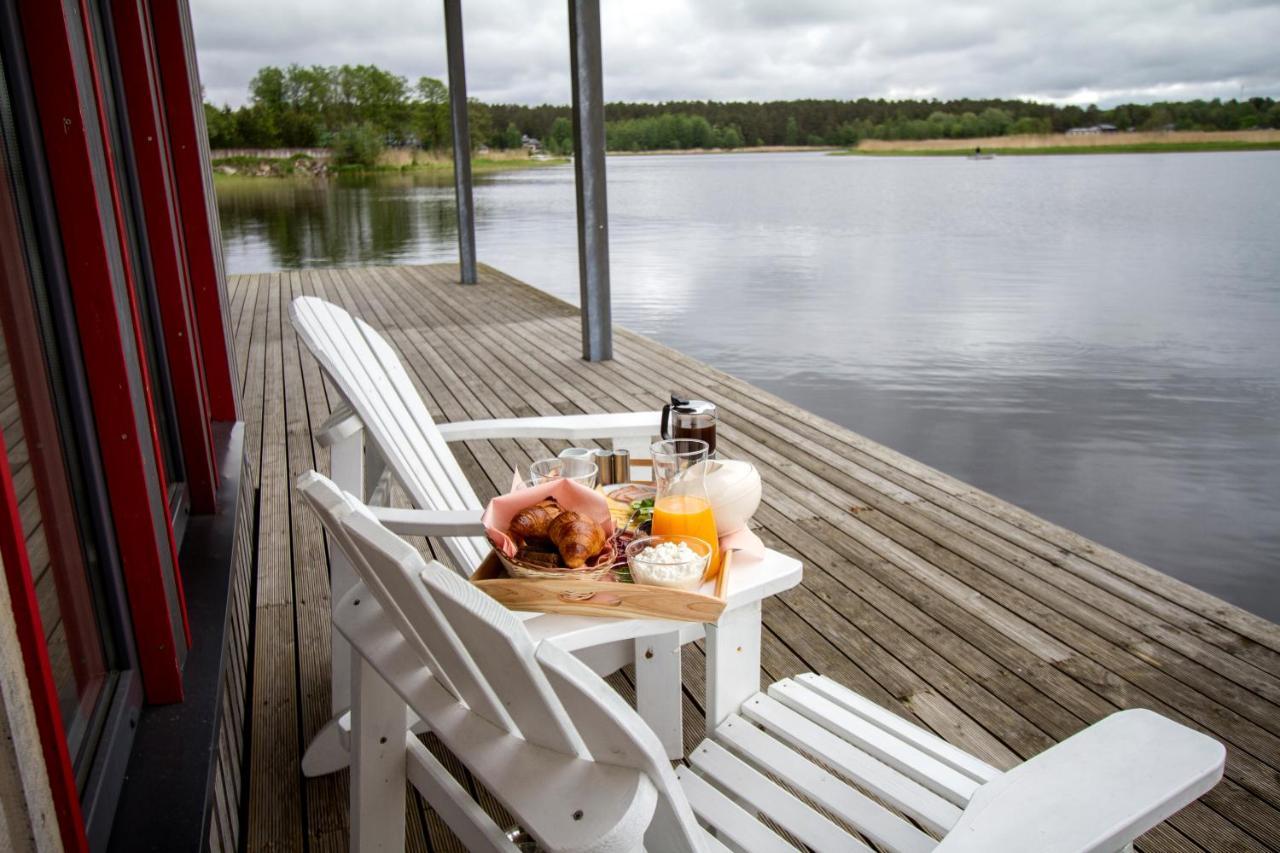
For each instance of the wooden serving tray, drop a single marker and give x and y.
(597, 598)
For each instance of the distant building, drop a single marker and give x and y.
(1096, 128)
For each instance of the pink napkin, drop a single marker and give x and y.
(570, 495)
(745, 541)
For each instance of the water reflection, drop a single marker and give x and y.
(353, 220)
(1094, 338)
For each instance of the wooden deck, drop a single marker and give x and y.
(998, 630)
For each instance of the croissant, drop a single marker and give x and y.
(577, 537)
(532, 521)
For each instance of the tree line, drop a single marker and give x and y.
(358, 109)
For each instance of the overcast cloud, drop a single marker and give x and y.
(1080, 51)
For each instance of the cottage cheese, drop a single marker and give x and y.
(668, 564)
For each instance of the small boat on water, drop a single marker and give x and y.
(978, 155)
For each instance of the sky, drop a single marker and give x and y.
(1064, 51)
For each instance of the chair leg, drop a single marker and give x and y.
(347, 467)
(658, 698)
(378, 762)
(733, 663)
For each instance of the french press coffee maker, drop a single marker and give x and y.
(683, 418)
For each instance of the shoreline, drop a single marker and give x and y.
(746, 149)
(306, 167)
(1054, 144)
(1066, 150)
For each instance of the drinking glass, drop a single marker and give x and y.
(681, 506)
(580, 471)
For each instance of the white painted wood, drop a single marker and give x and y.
(733, 662)
(347, 461)
(883, 745)
(881, 780)
(612, 636)
(803, 823)
(329, 751)
(638, 425)
(377, 762)
(501, 649)
(342, 422)
(543, 789)
(374, 383)
(712, 844)
(462, 814)
(393, 566)
(1094, 791)
(427, 522)
(614, 733)
(580, 770)
(658, 696)
(399, 431)
(332, 506)
(836, 796)
(727, 819)
(928, 742)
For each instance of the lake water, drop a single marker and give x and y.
(1095, 338)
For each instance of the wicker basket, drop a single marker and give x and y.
(518, 569)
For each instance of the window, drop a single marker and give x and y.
(52, 455)
(135, 240)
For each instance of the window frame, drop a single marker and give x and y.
(86, 787)
(86, 200)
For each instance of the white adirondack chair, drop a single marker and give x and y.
(580, 770)
(384, 424)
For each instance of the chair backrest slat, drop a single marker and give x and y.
(390, 361)
(500, 645)
(332, 506)
(395, 565)
(374, 383)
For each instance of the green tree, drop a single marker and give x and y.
(994, 122)
(1028, 124)
(509, 139)
(432, 111)
(846, 134)
(559, 139)
(358, 145)
(256, 127)
(479, 122)
(221, 127)
(792, 134)
(266, 89)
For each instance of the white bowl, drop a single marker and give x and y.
(686, 575)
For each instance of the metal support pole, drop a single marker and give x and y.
(588, 166)
(461, 140)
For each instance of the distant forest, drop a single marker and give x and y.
(358, 109)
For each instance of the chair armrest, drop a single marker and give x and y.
(567, 427)
(342, 423)
(429, 522)
(1096, 791)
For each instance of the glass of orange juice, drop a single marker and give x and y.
(681, 506)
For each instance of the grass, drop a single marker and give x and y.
(1051, 144)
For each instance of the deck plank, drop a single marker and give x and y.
(277, 816)
(994, 628)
